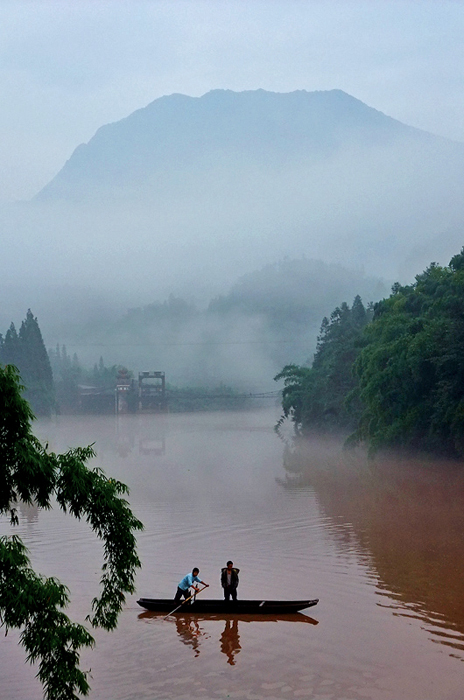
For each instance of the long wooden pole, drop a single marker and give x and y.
(185, 601)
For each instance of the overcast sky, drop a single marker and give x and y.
(69, 66)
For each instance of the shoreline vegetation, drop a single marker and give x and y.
(391, 374)
(213, 356)
(55, 382)
(388, 375)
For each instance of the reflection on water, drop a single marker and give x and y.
(380, 546)
(152, 446)
(29, 512)
(190, 632)
(150, 442)
(193, 634)
(230, 641)
(408, 517)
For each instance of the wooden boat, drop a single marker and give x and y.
(239, 607)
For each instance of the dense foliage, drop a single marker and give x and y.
(411, 372)
(29, 473)
(398, 380)
(316, 397)
(26, 351)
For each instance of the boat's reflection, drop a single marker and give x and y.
(192, 633)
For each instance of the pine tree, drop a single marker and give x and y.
(26, 351)
(35, 368)
(11, 349)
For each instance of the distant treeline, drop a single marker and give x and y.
(241, 338)
(55, 382)
(391, 375)
(51, 379)
(72, 380)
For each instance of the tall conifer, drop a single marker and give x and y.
(11, 349)
(35, 368)
(26, 351)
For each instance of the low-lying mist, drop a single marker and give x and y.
(242, 338)
(132, 219)
(373, 211)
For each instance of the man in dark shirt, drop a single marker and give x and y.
(229, 581)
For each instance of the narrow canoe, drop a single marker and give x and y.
(240, 607)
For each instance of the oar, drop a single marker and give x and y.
(186, 601)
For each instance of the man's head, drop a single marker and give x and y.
(230, 564)
(195, 571)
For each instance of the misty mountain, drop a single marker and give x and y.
(187, 195)
(226, 182)
(179, 141)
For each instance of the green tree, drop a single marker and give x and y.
(291, 298)
(298, 385)
(26, 351)
(11, 348)
(316, 397)
(33, 603)
(35, 368)
(398, 381)
(411, 371)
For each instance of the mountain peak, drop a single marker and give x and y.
(178, 134)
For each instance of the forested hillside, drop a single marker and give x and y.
(317, 397)
(397, 379)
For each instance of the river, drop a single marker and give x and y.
(381, 546)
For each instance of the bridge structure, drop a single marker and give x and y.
(148, 394)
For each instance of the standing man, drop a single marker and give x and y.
(183, 588)
(229, 580)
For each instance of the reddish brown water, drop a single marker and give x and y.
(381, 546)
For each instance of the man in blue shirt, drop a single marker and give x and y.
(188, 581)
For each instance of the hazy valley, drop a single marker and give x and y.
(196, 198)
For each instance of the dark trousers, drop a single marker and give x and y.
(230, 591)
(180, 593)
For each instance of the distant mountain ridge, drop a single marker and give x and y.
(188, 193)
(179, 135)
